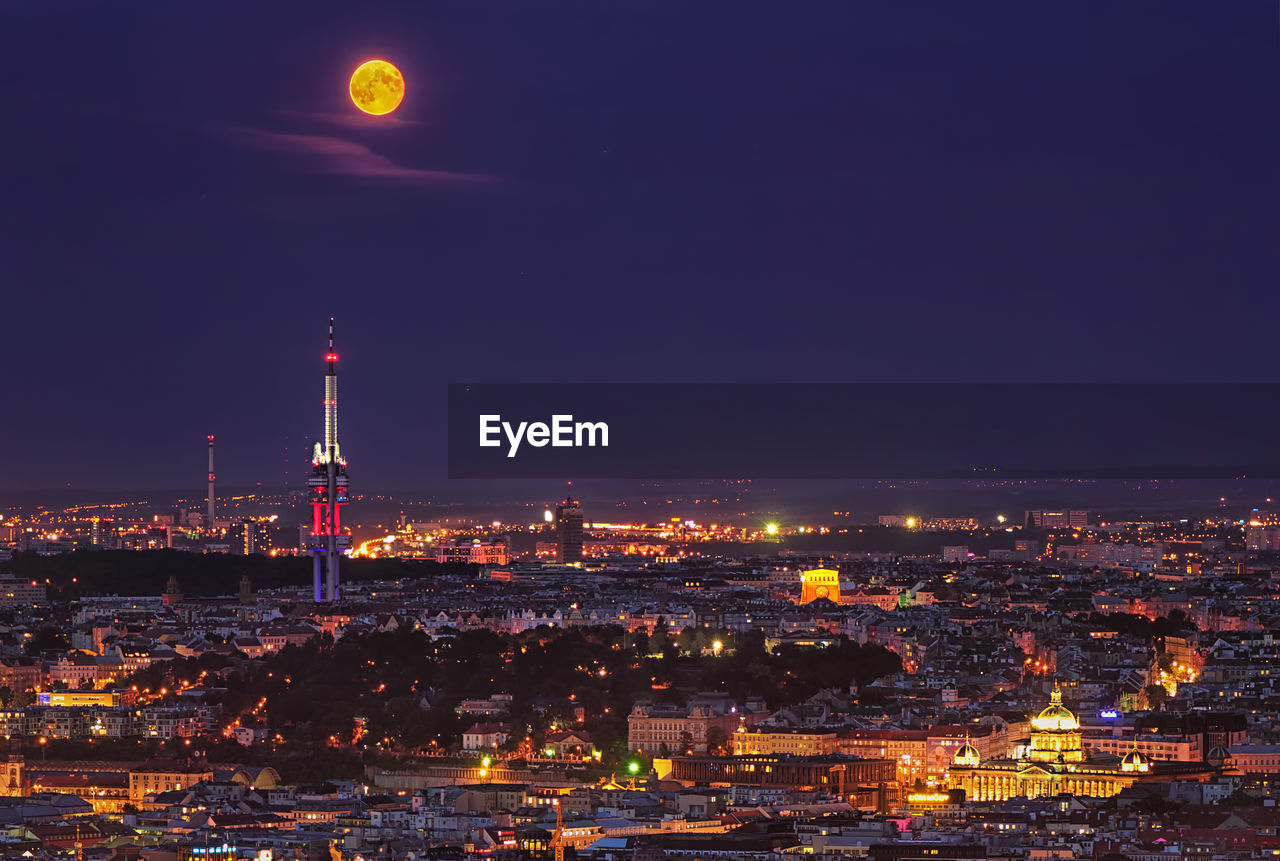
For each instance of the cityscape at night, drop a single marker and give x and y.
(767, 431)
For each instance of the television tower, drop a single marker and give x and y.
(328, 483)
(209, 524)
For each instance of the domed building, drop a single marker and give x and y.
(1053, 761)
(1055, 733)
(1135, 760)
(967, 756)
(1220, 757)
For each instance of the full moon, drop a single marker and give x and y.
(377, 87)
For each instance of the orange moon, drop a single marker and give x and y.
(377, 87)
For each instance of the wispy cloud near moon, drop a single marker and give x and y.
(338, 157)
(349, 119)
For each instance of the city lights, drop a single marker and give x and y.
(552, 617)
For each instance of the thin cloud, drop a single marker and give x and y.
(349, 119)
(338, 157)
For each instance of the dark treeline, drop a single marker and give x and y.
(145, 572)
(1152, 630)
(394, 693)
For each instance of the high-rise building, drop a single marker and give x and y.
(101, 532)
(1259, 537)
(568, 532)
(1262, 531)
(249, 536)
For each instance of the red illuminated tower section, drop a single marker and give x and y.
(328, 489)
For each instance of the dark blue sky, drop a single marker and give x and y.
(598, 191)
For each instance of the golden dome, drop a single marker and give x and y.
(1135, 760)
(1056, 717)
(968, 756)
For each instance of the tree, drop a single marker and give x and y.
(1154, 805)
(48, 639)
(611, 740)
(660, 642)
(1240, 798)
(640, 642)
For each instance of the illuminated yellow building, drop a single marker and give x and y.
(761, 740)
(161, 776)
(1053, 761)
(14, 776)
(1055, 735)
(819, 583)
(80, 699)
(105, 786)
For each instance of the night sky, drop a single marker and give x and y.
(608, 190)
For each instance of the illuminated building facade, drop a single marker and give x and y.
(108, 787)
(223, 851)
(763, 740)
(663, 729)
(249, 536)
(926, 753)
(832, 773)
(101, 532)
(1073, 519)
(78, 699)
(476, 552)
(162, 777)
(1152, 746)
(106, 790)
(1262, 531)
(1053, 761)
(22, 593)
(14, 782)
(328, 492)
(819, 583)
(1256, 758)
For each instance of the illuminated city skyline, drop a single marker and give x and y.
(816, 430)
